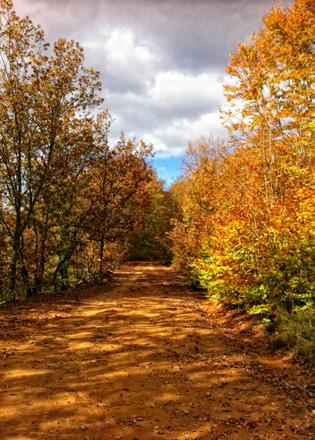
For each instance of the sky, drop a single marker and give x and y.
(162, 62)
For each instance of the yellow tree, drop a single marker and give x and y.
(269, 112)
(246, 217)
(270, 95)
(152, 242)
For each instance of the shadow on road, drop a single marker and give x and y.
(137, 361)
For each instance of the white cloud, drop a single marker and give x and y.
(127, 64)
(122, 49)
(172, 140)
(181, 88)
(177, 108)
(165, 107)
(161, 63)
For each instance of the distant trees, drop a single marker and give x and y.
(63, 191)
(122, 197)
(152, 242)
(245, 232)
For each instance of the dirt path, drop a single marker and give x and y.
(143, 360)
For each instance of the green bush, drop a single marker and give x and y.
(296, 330)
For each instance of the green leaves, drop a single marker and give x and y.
(245, 233)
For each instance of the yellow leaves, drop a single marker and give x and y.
(248, 220)
(273, 75)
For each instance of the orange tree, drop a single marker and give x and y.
(62, 187)
(245, 232)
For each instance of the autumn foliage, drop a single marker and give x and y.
(69, 202)
(238, 221)
(245, 233)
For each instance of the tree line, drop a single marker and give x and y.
(245, 231)
(70, 204)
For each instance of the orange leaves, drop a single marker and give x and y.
(5, 5)
(272, 76)
(245, 232)
(68, 201)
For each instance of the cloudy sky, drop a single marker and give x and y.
(162, 62)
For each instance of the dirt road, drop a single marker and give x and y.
(145, 359)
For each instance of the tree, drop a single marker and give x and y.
(245, 233)
(152, 242)
(47, 102)
(270, 99)
(119, 184)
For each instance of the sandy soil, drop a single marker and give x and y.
(144, 359)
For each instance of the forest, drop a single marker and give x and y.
(237, 222)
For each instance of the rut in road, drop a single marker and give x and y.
(140, 360)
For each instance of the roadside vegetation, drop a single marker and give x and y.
(70, 203)
(238, 219)
(245, 233)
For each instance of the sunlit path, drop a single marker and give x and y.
(138, 361)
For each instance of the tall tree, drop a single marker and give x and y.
(245, 232)
(270, 98)
(47, 101)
